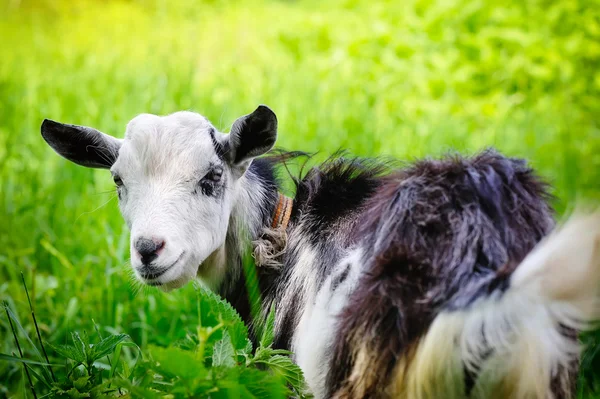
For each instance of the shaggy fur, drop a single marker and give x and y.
(445, 278)
(455, 231)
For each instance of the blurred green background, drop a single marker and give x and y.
(407, 78)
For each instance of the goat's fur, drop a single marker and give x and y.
(443, 279)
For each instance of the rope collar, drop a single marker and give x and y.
(283, 210)
(272, 244)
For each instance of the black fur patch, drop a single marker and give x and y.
(80, 144)
(441, 234)
(253, 134)
(327, 201)
(262, 173)
(336, 188)
(220, 148)
(340, 278)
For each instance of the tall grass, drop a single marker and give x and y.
(407, 79)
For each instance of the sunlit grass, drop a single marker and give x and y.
(407, 79)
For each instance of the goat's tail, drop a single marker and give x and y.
(520, 343)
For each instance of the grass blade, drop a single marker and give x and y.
(40, 378)
(12, 316)
(20, 351)
(37, 328)
(116, 358)
(9, 358)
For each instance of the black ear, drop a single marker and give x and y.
(252, 135)
(83, 145)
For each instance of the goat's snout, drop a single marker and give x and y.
(149, 248)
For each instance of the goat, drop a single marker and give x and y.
(447, 278)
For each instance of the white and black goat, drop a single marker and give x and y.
(444, 279)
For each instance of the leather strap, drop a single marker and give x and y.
(283, 210)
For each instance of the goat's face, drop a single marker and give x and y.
(176, 179)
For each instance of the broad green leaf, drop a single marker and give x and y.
(262, 384)
(213, 310)
(137, 391)
(246, 353)
(80, 347)
(266, 353)
(105, 390)
(106, 346)
(248, 348)
(223, 352)
(224, 384)
(268, 330)
(69, 352)
(176, 363)
(284, 366)
(250, 383)
(81, 382)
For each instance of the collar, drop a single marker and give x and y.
(283, 210)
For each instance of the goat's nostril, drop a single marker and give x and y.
(148, 248)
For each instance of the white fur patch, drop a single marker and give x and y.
(512, 343)
(162, 162)
(313, 339)
(303, 282)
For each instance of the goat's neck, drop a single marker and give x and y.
(255, 199)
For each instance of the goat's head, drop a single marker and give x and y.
(176, 179)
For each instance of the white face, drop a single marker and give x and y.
(177, 180)
(175, 193)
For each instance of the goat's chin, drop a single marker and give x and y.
(173, 279)
(179, 277)
(175, 284)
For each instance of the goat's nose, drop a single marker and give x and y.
(148, 248)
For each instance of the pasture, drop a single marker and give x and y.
(404, 79)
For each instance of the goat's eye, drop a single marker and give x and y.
(214, 175)
(118, 180)
(209, 183)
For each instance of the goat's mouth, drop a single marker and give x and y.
(151, 276)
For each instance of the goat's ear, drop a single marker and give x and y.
(252, 135)
(80, 144)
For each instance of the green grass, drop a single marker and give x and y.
(407, 79)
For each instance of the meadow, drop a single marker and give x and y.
(405, 79)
